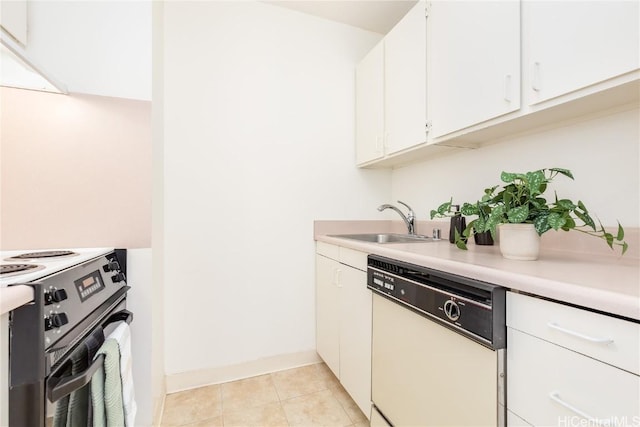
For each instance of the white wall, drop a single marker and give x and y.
(602, 152)
(259, 142)
(67, 153)
(157, 216)
(95, 47)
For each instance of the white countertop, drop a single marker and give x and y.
(606, 283)
(14, 296)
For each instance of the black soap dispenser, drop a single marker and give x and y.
(458, 222)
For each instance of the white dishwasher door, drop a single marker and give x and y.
(424, 374)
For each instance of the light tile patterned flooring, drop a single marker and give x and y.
(306, 396)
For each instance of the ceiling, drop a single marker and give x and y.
(378, 16)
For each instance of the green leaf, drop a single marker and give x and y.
(566, 204)
(586, 218)
(565, 172)
(467, 231)
(582, 206)
(539, 203)
(519, 214)
(461, 245)
(609, 238)
(556, 221)
(620, 235)
(442, 210)
(507, 197)
(624, 247)
(570, 223)
(469, 209)
(489, 191)
(459, 240)
(541, 224)
(535, 180)
(543, 187)
(508, 176)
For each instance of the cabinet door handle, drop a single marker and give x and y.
(555, 326)
(535, 76)
(336, 277)
(555, 396)
(507, 87)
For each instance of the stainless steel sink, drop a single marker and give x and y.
(385, 238)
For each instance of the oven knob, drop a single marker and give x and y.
(56, 320)
(111, 266)
(120, 277)
(55, 295)
(452, 310)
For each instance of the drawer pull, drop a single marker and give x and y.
(579, 335)
(555, 396)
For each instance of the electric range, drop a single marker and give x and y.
(79, 294)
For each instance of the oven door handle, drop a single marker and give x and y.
(121, 316)
(58, 387)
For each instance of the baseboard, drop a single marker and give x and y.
(203, 377)
(158, 403)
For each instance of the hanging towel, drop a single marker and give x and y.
(122, 335)
(112, 386)
(74, 410)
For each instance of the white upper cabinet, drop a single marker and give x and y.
(405, 92)
(14, 19)
(370, 106)
(474, 62)
(570, 45)
(461, 74)
(391, 91)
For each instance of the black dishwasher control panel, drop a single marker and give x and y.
(473, 308)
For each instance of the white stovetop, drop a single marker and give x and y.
(51, 266)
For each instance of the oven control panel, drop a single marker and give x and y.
(73, 294)
(89, 285)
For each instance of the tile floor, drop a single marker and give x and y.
(306, 396)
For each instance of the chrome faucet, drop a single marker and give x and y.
(408, 220)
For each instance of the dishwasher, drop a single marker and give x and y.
(438, 347)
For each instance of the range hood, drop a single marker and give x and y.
(19, 71)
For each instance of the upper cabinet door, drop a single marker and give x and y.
(574, 44)
(405, 81)
(370, 106)
(474, 62)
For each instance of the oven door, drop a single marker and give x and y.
(36, 371)
(68, 391)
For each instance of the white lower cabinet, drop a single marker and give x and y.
(565, 374)
(343, 319)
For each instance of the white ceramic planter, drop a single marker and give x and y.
(519, 241)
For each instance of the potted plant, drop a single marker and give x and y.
(521, 202)
(481, 209)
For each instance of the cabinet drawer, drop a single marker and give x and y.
(544, 379)
(609, 339)
(355, 259)
(330, 251)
